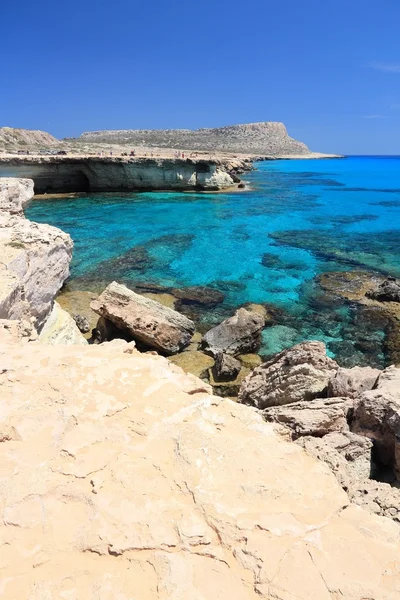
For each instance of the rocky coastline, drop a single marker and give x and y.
(126, 476)
(91, 173)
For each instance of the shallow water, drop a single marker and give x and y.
(266, 245)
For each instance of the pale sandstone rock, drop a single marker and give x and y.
(315, 417)
(122, 479)
(347, 454)
(60, 328)
(15, 194)
(352, 382)
(299, 373)
(35, 258)
(239, 334)
(146, 320)
(349, 457)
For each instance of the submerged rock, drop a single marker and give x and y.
(148, 321)
(240, 334)
(387, 291)
(204, 296)
(194, 362)
(299, 373)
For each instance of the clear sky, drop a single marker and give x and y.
(328, 69)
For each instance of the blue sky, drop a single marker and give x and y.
(328, 69)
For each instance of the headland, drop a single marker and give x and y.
(129, 160)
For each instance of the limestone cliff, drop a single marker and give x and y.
(117, 173)
(34, 258)
(265, 138)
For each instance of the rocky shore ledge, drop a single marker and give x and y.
(100, 173)
(124, 477)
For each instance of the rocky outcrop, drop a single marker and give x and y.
(35, 258)
(239, 334)
(265, 138)
(15, 194)
(300, 373)
(60, 328)
(146, 320)
(126, 479)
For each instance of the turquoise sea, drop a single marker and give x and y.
(299, 218)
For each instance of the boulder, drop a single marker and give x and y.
(299, 373)
(387, 291)
(148, 321)
(315, 417)
(352, 382)
(239, 334)
(226, 367)
(61, 328)
(377, 415)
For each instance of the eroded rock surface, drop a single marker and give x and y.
(317, 417)
(352, 382)
(146, 320)
(122, 478)
(240, 334)
(299, 373)
(377, 416)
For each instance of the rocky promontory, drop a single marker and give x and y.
(265, 138)
(124, 477)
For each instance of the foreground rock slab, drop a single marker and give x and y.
(148, 321)
(127, 480)
(299, 373)
(239, 334)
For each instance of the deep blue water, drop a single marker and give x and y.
(266, 245)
